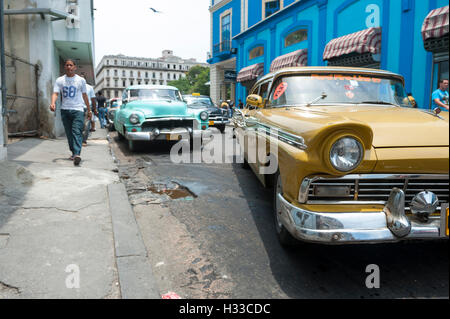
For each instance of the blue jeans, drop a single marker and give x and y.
(102, 116)
(73, 122)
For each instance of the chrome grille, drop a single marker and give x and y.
(148, 126)
(375, 189)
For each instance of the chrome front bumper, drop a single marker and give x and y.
(164, 134)
(355, 227)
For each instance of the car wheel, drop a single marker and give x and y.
(284, 237)
(221, 128)
(132, 145)
(120, 136)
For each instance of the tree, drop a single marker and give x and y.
(194, 82)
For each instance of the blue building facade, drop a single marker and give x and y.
(247, 33)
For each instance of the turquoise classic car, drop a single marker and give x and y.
(156, 112)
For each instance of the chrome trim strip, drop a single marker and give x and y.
(289, 138)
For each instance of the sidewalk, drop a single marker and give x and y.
(64, 227)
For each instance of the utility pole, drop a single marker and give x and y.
(3, 84)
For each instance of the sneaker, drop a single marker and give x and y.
(76, 160)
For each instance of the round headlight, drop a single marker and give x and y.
(346, 154)
(134, 119)
(204, 116)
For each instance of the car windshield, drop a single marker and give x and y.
(337, 88)
(198, 102)
(154, 94)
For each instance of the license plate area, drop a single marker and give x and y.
(444, 220)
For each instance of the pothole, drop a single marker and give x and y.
(172, 189)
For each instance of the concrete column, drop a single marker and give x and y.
(216, 79)
(2, 133)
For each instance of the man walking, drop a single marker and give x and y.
(440, 96)
(73, 95)
(88, 121)
(101, 103)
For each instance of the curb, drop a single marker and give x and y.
(134, 269)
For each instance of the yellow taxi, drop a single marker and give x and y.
(349, 159)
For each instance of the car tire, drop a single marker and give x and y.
(221, 128)
(284, 237)
(120, 136)
(132, 145)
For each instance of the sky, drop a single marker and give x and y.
(132, 29)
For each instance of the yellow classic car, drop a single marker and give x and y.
(349, 159)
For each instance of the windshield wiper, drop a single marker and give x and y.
(321, 97)
(378, 102)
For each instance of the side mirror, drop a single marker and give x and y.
(437, 110)
(255, 100)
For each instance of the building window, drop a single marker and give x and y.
(131, 73)
(139, 74)
(107, 83)
(180, 67)
(116, 83)
(270, 7)
(124, 63)
(131, 83)
(168, 76)
(146, 74)
(139, 64)
(115, 72)
(226, 30)
(296, 37)
(124, 84)
(123, 73)
(154, 65)
(107, 72)
(161, 82)
(256, 52)
(154, 75)
(115, 62)
(116, 93)
(168, 66)
(107, 62)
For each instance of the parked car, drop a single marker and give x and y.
(217, 116)
(112, 106)
(354, 163)
(156, 112)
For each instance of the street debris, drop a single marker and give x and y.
(170, 295)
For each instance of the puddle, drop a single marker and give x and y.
(173, 190)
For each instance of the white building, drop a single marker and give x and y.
(116, 72)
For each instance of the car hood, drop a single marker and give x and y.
(162, 108)
(391, 126)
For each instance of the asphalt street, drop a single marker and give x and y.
(209, 232)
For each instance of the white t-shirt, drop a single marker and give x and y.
(71, 90)
(90, 93)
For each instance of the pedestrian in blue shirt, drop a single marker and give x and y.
(440, 96)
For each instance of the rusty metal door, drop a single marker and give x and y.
(22, 111)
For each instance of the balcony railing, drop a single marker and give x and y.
(222, 47)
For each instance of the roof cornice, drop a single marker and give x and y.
(219, 5)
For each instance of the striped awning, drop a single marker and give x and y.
(435, 24)
(296, 58)
(365, 41)
(250, 73)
